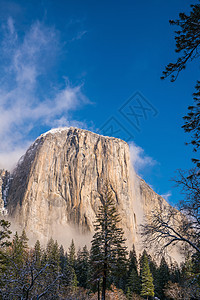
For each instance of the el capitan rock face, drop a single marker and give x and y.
(56, 186)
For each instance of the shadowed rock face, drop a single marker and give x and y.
(5, 179)
(56, 186)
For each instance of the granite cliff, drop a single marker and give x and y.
(56, 186)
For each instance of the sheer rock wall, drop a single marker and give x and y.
(56, 186)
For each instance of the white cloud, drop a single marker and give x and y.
(9, 159)
(139, 160)
(26, 60)
(166, 196)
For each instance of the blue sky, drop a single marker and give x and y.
(86, 63)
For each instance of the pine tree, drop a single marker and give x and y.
(95, 268)
(108, 243)
(82, 267)
(24, 244)
(129, 294)
(196, 265)
(174, 273)
(134, 282)
(24, 240)
(147, 287)
(4, 240)
(141, 261)
(62, 259)
(155, 273)
(67, 270)
(52, 259)
(4, 244)
(73, 281)
(119, 269)
(53, 255)
(187, 45)
(132, 263)
(4, 233)
(163, 277)
(37, 254)
(72, 254)
(49, 248)
(17, 251)
(190, 276)
(133, 279)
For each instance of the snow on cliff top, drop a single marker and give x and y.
(55, 130)
(31, 150)
(62, 129)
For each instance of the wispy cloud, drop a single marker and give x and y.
(25, 62)
(142, 162)
(139, 159)
(76, 30)
(166, 196)
(79, 35)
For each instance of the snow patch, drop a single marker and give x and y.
(3, 211)
(5, 189)
(33, 146)
(55, 130)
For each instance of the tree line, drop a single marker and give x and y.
(106, 271)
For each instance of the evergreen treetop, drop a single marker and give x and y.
(147, 287)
